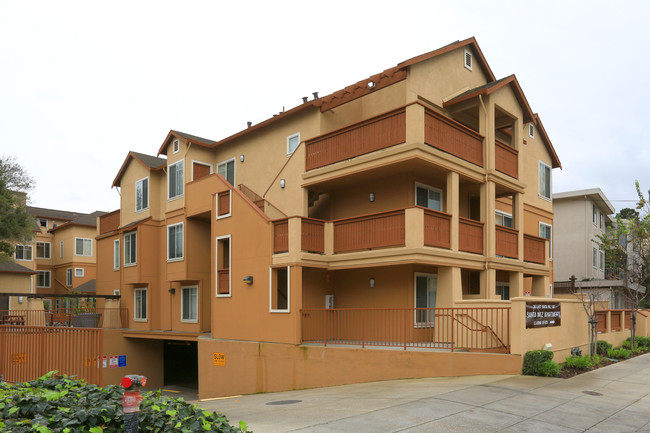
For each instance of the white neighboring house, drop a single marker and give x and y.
(580, 216)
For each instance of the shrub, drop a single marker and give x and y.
(640, 341)
(58, 404)
(627, 344)
(548, 368)
(619, 353)
(602, 347)
(579, 362)
(533, 360)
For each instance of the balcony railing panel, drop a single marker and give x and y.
(312, 235)
(373, 134)
(107, 318)
(453, 137)
(473, 329)
(281, 236)
(507, 244)
(534, 249)
(506, 159)
(616, 320)
(437, 229)
(109, 222)
(470, 235)
(602, 321)
(379, 230)
(223, 204)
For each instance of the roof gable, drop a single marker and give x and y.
(204, 142)
(152, 163)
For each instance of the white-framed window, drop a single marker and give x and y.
(503, 219)
(175, 241)
(190, 304)
(68, 277)
(116, 254)
(42, 222)
(546, 232)
(83, 247)
(79, 272)
(602, 220)
(424, 294)
(23, 253)
(601, 260)
(142, 194)
(594, 257)
(222, 262)
(43, 279)
(130, 248)
(544, 180)
(428, 197)
(175, 179)
(43, 250)
(293, 141)
(200, 169)
(176, 146)
(531, 130)
(279, 290)
(226, 169)
(468, 59)
(594, 214)
(503, 290)
(140, 304)
(61, 248)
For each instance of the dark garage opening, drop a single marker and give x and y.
(181, 364)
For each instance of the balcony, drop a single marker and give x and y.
(534, 249)
(470, 236)
(380, 230)
(109, 222)
(506, 159)
(453, 137)
(507, 242)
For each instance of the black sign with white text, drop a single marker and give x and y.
(543, 314)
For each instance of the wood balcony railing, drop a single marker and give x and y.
(386, 229)
(373, 134)
(437, 229)
(534, 249)
(109, 222)
(281, 236)
(86, 317)
(453, 137)
(507, 244)
(312, 235)
(223, 281)
(223, 203)
(506, 159)
(470, 235)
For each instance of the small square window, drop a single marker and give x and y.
(292, 143)
(42, 222)
(79, 272)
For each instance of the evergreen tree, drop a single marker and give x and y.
(16, 225)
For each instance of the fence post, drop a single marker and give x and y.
(406, 315)
(363, 328)
(453, 334)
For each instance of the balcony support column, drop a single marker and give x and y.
(488, 209)
(329, 238)
(540, 286)
(450, 287)
(414, 226)
(295, 299)
(415, 123)
(295, 238)
(453, 207)
(489, 284)
(518, 216)
(516, 284)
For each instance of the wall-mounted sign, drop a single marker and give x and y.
(543, 314)
(218, 359)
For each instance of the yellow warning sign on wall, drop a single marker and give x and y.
(218, 359)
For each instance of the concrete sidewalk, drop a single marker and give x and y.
(611, 399)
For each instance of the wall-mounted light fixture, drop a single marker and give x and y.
(372, 197)
(241, 158)
(248, 279)
(547, 346)
(281, 183)
(172, 290)
(372, 282)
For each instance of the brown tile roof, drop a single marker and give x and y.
(52, 213)
(89, 286)
(153, 163)
(204, 142)
(89, 220)
(14, 268)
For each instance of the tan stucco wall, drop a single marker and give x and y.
(143, 357)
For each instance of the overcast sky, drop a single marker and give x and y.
(82, 83)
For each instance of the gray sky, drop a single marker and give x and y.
(84, 82)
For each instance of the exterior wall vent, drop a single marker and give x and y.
(468, 59)
(531, 130)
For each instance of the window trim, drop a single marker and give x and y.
(550, 240)
(423, 185)
(594, 257)
(594, 214)
(271, 309)
(182, 257)
(289, 137)
(49, 250)
(182, 193)
(139, 181)
(146, 304)
(91, 247)
(49, 279)
(135, 262)
(234, 169)
(196, 162)
(68, 277)
(550, 180)
(31, 249)
(427, 324)
(76, 274)
(504, 214)
(216, 267)
(183, 304)
(116, 254)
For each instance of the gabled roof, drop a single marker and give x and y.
(14, 268)
(151, 162)
(547, 141)
(54, 214)
(204, 142)
(89, 286)
(87, 220)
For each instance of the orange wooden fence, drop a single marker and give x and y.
(29, 352)
(465, 329)
(506, 159)
(385, 229)
(71, 317)
(507, 244)
(281, 236)
(534, 249)
(470, 235)
(453, 137)
(437, 229)
(312, 235)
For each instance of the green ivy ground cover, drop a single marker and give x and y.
(57, 404)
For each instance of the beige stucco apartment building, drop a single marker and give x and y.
(343, 221)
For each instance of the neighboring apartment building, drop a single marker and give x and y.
(423, 186)
(580, 217)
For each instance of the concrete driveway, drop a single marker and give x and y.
(611, 399)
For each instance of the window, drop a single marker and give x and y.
(531, 130)
(130, 248)
(544, 180)
(227, 170)
(175, 179)
(175, 241)
(468, 59)
(142, 194)
(602, 220)
(79, 272)
(42, 250)
(594, 214)
(176, 146)
(83, 247)
(503, 290)
(594, 257)
(546, 232)
(223, 266)
(24, 252)
(61, 248)
(190, 304)
(140, 304)
(428, 197)
(503, 219)
(43, 279)
(279, 280)
(425, 297)
(68, 277)
(42, 222)
(116, 254)
(601, 262)
(292, 143)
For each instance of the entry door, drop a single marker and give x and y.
(425, 297)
